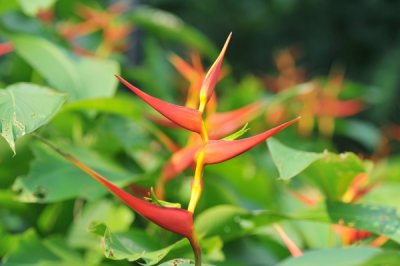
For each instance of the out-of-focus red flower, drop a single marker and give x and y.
(107, 21)
(6, 48)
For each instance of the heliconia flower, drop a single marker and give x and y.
(289, 74)
(338, 108)
(185, 117)
(211, 78)
(221, 124)
(94, 20)
(6, 48)
(217, 151)
(195, 74)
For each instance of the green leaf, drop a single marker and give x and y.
(167, 25)
(81, 78)
(117, 216)
(51, 178)
(290, 162)
(181, 262)
(351, 128)
(31, 8)
(230, 222)
(378, 219)
(33, 251)
(8, 5)
(334, 173)
(353, 256)
(132, 245)
(24, 107)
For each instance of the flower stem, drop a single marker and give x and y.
(197, 186)
(196, 250)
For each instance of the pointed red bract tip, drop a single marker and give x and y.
(182, 116)
(217, 151)
(211, 78)
(175, 220)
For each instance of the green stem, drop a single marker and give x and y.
(196, 250)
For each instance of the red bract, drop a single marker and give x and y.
(173, 219)
(208, 85)
(217, 151)
(222, 124)
(185, 117)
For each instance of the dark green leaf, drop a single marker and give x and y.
(378, 219)
(132, 245)
(169, 26)
(51, 178)
(33, 251)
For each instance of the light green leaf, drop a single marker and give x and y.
(132, 245)
(331, 173)
(290, 162)
(117, 216)
(52, 178)
(378, 219)
(81, 78)
(31, 8)
(24, 107)
(353, 256)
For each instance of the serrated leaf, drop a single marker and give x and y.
(290, 162)
(24, 107)
(52, 179)
(81, 78)
(378, 219)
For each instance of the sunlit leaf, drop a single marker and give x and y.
(66, 73)
(290, 162)
(31, 8)
(24, 107)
